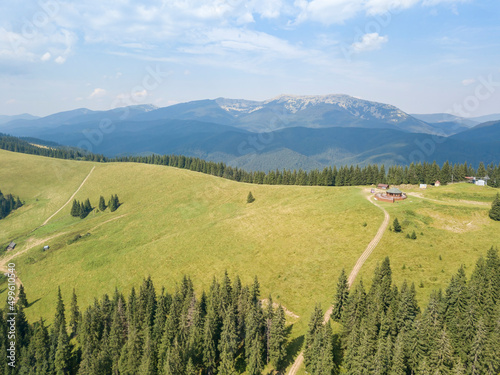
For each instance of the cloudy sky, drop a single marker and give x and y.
(423, 56)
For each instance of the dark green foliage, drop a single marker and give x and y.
(340, 297)
(277, 339)
(75, 209)
(81, 209)
(250, 197)
(396, 226)
(343, 176)
(495, 209)
(385, 333)
(22, 300)
(102, 204)
(75, 315)
(113, 203)
(413, 235)
(8, 203)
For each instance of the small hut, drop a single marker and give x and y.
(383, 186)
(11, 246)
(437, 183)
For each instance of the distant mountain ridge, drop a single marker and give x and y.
(283, 132)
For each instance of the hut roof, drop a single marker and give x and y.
(394, 191)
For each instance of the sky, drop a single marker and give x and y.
(423, 56)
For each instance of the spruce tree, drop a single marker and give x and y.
(277, 345)
(102, 204)
(75, 209)
(87, 206)
(495, 208)
(74, 315)
(396, 226)
(341, 296)
(228, 345)
(63, 354)
(22, 300)
(113, 203)
(250, 198)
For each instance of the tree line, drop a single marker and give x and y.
(8, 203)
(384, 330)
(82, 209)
(415, 173)
(225, 330)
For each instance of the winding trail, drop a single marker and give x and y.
(69, 200)
(29, 245)
(352, 276)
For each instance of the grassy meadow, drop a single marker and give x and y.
(175, 222)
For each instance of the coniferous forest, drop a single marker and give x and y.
(8, 203)
(227, 330)
(415, 173)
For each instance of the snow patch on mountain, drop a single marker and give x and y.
(360, 108)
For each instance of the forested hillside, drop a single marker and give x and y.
(227, 330)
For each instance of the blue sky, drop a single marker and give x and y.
(424, 56)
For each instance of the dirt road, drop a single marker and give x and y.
(352, 276)
(32, 243)
(69, 200)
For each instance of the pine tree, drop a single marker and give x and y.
(398, 360)
(250, 198)
(312, 350)
(102, 203)
(22, 300)
(83, 212)
(75, 209)
(255, 364)
(277, 345)
(228, 345)
(495, 208)
(87, 206)
(341, 296)
(113, 203)
(396, 226)
(75, 315)
(63, 354)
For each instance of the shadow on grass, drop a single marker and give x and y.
(293, 348)
(33, 302)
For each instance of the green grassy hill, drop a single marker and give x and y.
(174, 222)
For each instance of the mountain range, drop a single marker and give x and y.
(284, 132)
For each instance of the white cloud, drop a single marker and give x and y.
(97, 93)
(369, 42)
(46, 56)
(331, 12)
(467, 82)
(60, 60)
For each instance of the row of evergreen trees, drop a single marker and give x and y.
(15, 144)
(385, 331)
(226, 330)
(8, 203)
(427, 173)
(81, 210)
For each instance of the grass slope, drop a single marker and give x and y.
(174, 222)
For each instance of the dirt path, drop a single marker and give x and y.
(352, 276)
(32, 243)
(29, 245)
(69, 200)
